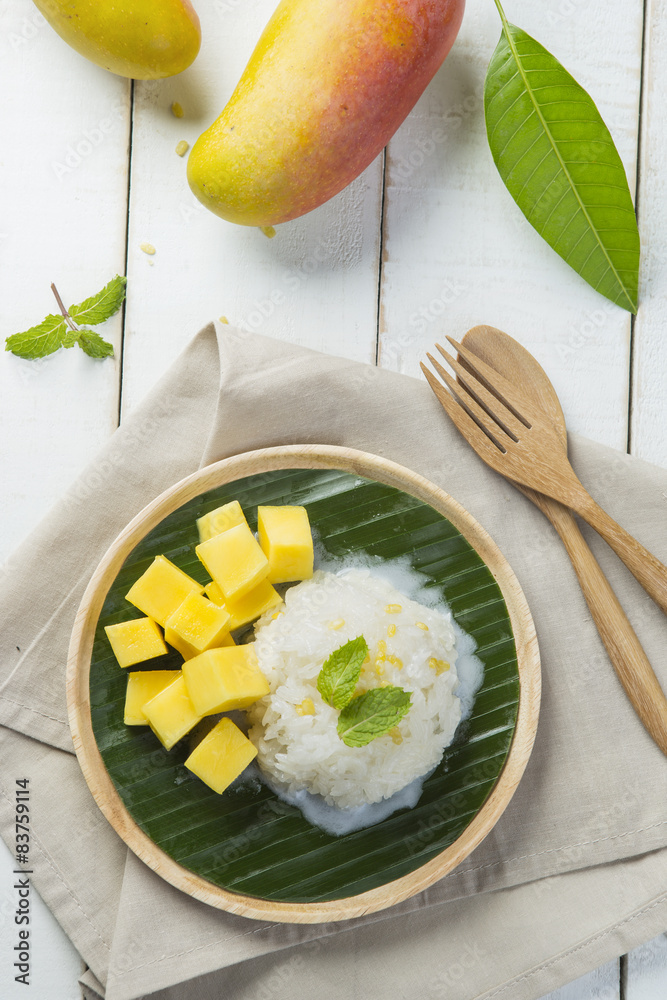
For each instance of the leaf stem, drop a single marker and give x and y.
(503, 18)
(61, 305)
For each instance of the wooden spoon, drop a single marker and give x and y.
(630, 662)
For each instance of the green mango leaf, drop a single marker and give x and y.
(559, 163)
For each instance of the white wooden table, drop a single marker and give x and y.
(427, 241)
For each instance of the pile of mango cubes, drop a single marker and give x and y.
(217, 675)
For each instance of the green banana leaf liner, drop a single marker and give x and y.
(247, 840)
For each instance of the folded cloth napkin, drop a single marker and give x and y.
(574, 873)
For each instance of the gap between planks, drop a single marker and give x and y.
(633, 318)
(121, 347)
(381, 257)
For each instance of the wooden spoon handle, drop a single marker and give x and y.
(643, 565)
(624, 648)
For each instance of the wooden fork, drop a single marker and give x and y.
(517, 440)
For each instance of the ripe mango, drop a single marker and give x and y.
(142, 39)
(328, 84)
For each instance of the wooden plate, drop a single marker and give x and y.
(244, 851)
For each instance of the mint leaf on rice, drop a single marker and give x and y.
(372, 714)
(338, 677)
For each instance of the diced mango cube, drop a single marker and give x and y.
(247, 608)
(160, 590)
(287, 541)
(135, 641)
(219, 520)
(253, 604)
(170, 713)
(200, 622)
(213, 592)
(184, 648)
(142, 686)
(234, 560)
(222, 679)
(221, 756)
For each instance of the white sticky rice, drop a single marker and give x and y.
(303, 751)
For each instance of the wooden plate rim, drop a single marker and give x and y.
(307, 456)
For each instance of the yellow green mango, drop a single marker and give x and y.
(142, 39)
(328, 84)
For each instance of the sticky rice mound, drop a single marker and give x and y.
(294, 729)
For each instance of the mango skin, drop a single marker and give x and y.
(328, 84)
(141, 39)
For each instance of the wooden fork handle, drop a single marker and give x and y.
(620, 640)
(643, 565)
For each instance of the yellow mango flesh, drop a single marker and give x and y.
(234, 560)
(221, 756)
(170, 713)
(199, 622)
(327, 85)
(161, 589)
(220, 680)
(287, 542)
(213, 592)
(261, 598)
(135, 641)
(219, 520)
(142, 687)
(142, 39)
(184, 648)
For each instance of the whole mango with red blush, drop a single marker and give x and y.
(328, 84)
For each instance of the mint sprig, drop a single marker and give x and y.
(338, 677)
(56, 331)
(372, 714)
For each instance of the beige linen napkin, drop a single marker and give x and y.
(574, 873)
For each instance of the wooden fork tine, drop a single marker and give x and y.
(462, 419)
(505, 391)
(504, 417)
(472, 407)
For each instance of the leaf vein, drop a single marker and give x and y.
(521, 125)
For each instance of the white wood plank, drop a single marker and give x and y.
(62, 218)
(56, 414)
(315, 283)
(647, 971)
(55, 964)
(457, 251)
(649, 393)
(603, 983)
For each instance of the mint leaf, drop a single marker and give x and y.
(55, 331)
(337, 679)
(372, 714)
(70, 337)
(102, 306)
(94, 345)
(39, 340)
